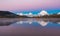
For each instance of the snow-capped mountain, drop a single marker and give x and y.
(58, 13)
(20, 14)
(43, 12)
(30, 15)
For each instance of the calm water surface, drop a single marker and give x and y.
(31, 27)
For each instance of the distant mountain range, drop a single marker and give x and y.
(42, 14)
(51, 16)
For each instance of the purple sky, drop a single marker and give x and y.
(28, 4)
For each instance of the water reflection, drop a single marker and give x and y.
(42, 23)
(31, 27)
(38, 21)
(58, 22)
(6, 23)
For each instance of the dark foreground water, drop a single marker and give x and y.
(30, 27)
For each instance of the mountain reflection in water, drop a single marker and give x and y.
(31, 27)
(42, 23)
(38, 21)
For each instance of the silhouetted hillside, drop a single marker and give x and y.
(7, 14)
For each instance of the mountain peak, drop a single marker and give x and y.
(58, 13)
(43, 12)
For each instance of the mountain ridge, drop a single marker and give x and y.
(8, 14)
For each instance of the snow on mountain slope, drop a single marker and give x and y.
(43, 12)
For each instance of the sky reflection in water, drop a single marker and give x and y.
(31, 27)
